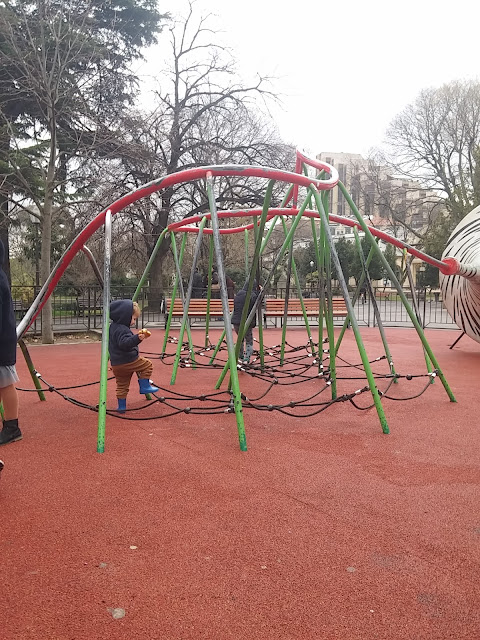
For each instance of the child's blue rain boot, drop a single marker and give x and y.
(122, 405)
(146, 386)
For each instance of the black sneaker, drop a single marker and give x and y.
(10, 432)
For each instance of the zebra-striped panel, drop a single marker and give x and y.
(461, 295)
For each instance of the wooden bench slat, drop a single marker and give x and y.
(275, 308)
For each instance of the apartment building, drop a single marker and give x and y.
(402, 207)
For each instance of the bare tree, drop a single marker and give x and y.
(406, 206)
(69, 62)
(437, 138)
(204, 115)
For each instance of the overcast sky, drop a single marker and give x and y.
(344, 69)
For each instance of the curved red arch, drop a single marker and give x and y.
(190, 175)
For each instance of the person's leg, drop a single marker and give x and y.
(249, 344)
(10, 429)
(241, 352)
(123, 375)
(143, 367)
(9, 399)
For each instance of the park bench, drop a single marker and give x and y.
(275, 307)
(384, 294)
(436, 294)
(196, 309)
(90, 304)
(19, 308)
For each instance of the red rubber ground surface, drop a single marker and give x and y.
(325, 528)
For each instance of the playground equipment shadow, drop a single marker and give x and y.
(324, 529)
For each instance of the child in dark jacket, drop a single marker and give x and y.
(8, 356)
(123, 347)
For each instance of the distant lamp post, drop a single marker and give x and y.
(312, 264)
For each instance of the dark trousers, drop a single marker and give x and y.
(248, 341)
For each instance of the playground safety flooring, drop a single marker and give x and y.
(324, 529)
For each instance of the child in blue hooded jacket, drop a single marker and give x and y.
(123, 347)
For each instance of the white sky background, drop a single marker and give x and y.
(343, 69)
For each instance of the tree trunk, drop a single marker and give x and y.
(47, 320)
(4, 219)
(4, 234)
(157, 279)
(45, 256)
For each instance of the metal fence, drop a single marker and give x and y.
(81, 310)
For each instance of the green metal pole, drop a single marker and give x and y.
(31, 369)
(302, 304)
(243, 328)
(321, 293)
(259, 309)
(417, 310)
(329, 317)
(174, 295)
(102, 403)
(406, 304)
(244, 321)
(232, 358)
(217, 348)
(180, 285)
(149, 264)
(354, 299)
(187, 301)
(375, 306)
(276, 262)
(177, 286)
(353, 320)
(209, 290)
(246, 252)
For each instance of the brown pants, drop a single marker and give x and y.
(123, 374)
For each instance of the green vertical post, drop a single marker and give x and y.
(149, 264)
(187, 301)
(209, 290)
(246, 252)
(353, 320)
(259, 309)
(406, 304)
(244, 321)
(417, 310)
(185, 307)
(302, 304)
(31, 369)
(102, 403)
(375, 306)
(253, 271)
(321, 291)
(174, 295)
(276, 262)
(354, 299)
(232, 358)
(327, 249)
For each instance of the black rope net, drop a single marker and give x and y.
(306, 369)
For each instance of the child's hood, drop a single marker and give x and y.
(121, 311)
(2, 254)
